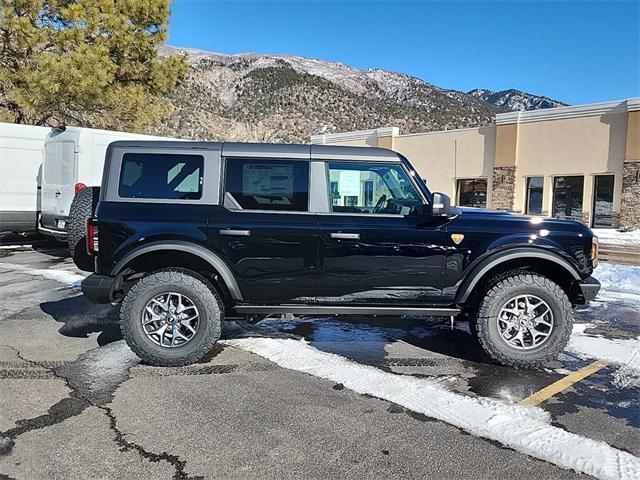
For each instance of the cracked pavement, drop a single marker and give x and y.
(76, 403)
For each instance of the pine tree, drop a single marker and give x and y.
(89, 63)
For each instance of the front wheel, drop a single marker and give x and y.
(524, 320)
(171, 318)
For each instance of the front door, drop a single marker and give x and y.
(265, 231)
(376, 247)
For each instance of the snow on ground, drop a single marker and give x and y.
(62, 276)
(618, 278)
(525, 429)
(612, 236)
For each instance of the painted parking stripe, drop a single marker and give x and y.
(526, 429)
(562, 384)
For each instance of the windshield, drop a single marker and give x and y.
(419, 181)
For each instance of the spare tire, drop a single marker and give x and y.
(82, 208)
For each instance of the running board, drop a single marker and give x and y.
(342, 310)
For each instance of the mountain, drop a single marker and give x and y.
(281, 98)
(513, 100)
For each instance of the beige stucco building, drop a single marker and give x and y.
(580, 162)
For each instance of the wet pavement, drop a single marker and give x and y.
(76, 403)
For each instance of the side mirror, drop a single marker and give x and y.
(440, 204)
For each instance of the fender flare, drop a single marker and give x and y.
(207, 255)
(468, 285)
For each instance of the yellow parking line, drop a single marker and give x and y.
(562, 384)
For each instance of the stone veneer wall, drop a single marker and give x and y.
(504, 183)
(630, 205)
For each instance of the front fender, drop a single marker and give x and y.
(492, 260)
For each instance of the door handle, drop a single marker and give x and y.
(58, 194)
(346, 236)
(235, 233)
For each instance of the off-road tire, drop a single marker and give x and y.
(485, 325)
(182, 281)
(82, 208)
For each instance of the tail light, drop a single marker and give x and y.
(79, 187)
(594, 251)
(92, 237)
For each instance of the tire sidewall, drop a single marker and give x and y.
(209, 327)
(488, 324)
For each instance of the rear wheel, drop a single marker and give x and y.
(171, 318)
(81, 210)
(524, 320)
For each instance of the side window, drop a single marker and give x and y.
(268, 184)
(372, 188)
(168, 176)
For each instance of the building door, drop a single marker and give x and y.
(603, 201)
(567, 197)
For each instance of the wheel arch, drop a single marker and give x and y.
(544, 262)
(185, 250)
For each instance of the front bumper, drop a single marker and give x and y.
(589, 288)
(98, 288)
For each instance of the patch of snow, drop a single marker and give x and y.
(625, 352)
(618, 278)
(62, 276)
(611, 236)
(525, 429)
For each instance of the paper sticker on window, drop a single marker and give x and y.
(267, 179)
(349, 183)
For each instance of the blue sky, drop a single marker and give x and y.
(573, 51)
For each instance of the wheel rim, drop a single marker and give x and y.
(170, 320)
(525, 322)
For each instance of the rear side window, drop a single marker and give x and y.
(269, 184)
(168, 176)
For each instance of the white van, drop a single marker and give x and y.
(21, 149)
(73, 160)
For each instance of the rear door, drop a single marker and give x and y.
(58, 180)
(265, 230)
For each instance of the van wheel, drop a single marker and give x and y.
(81, 210)
(524, 320)
(171, 318)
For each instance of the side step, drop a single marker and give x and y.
(343, 310)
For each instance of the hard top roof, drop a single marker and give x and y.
(273, 150)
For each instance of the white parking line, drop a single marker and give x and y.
(524, 428)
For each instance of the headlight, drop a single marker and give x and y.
(594, 251)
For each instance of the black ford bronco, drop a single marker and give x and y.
(188, 233)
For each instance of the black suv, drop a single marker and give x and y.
(188, 233)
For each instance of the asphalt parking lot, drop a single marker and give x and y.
(76, 403)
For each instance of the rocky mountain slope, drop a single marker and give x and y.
(277, 98)
(514, 100)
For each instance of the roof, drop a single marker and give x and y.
(274, 150)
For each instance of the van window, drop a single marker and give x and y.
(60, 163)
(269, 184)
(168, 176)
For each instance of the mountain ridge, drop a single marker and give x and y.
(288, 98)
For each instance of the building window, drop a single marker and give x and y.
(535, 186)
(472, 193)
(269, 184)
(567, 197)
(603, 201)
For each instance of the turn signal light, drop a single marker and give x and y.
(79, 187)
(594, 251)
